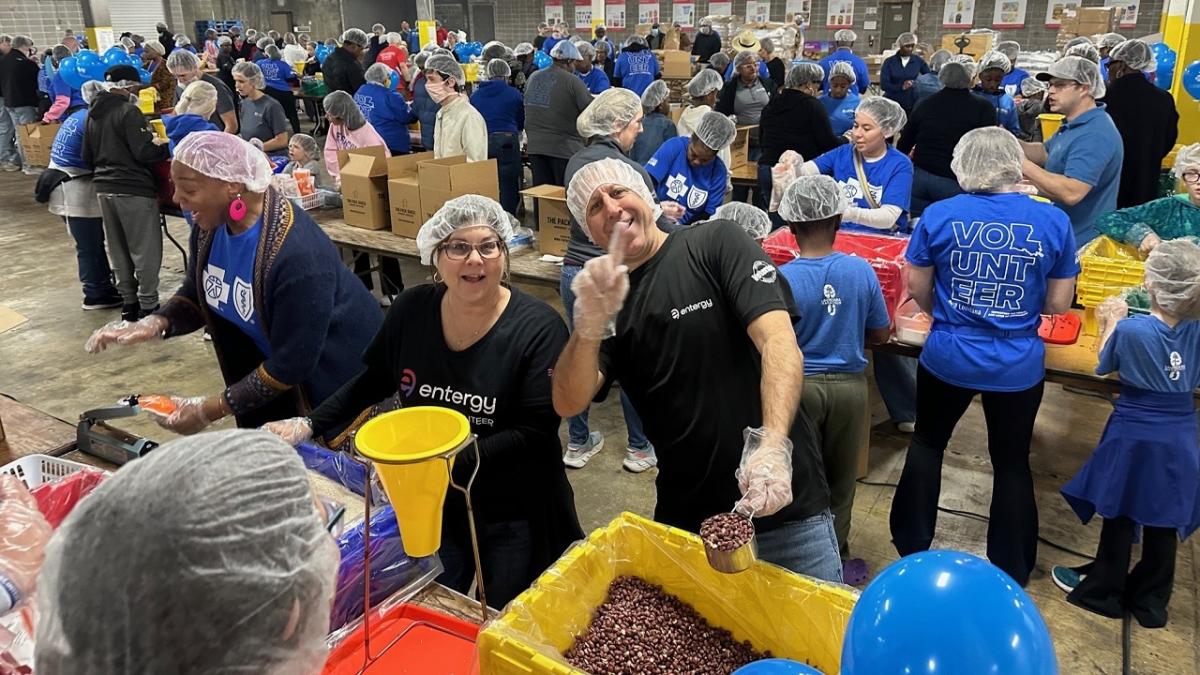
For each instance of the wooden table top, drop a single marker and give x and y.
(28, 431)
(745, 175)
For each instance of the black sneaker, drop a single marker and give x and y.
(143, 313)
(104, 302)
(130, 312)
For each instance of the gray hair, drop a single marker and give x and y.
(22, 41)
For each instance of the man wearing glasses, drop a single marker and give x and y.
(1079, 167)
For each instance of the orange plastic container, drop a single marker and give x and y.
(432, 643)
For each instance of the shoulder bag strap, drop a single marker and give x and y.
(862, 179)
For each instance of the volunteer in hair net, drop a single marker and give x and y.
(479, 346)
(842, 99)
(1175, 217)
(710, 300)
(702, 90)
(216, 560)
(594, 77)
(753, 220)
(503, 111)
(1012, 81)
(1079, 168)
(844, 40)
(1087, 51)
(984, 340)
(1146, 118)
(744, 97)
(657, 127)
(287, 318)
(900, 71)
(928, 84)
(993, 66)
(554, 99)
(1032, 104)
(460, 128)
(707, 43)
(193, 111)
(636, 66)
(1104, 46)
(841, 305)
(688, 172)
(386, 109)
(1144, 472)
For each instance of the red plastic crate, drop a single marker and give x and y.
(885, 254)
(432, 643)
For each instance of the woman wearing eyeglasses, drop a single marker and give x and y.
(473, 344)
(1147, 225)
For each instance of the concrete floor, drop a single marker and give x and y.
(42, 363)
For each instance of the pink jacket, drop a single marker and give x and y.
(341, 138)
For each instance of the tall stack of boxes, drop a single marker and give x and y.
(1086, 22)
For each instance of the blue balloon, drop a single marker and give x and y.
(95, 71)
(1191, 80)
(68, 68)
(87, 58)
(322, 52)
(777, 667)
(542, 60)
(144, 75)
(115, 56)
(394, 82)
(946, 612)
(1165, 58)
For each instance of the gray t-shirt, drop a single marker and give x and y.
(224, 99)
(263, 119)
(749, 102)
(554, 99)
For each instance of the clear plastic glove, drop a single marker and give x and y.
(189, 416)
(23, 536)
(1148, 243)
(1110, 311)
(672, 209)
(783, 174)
(126, 333)
(765, 473)
(294, 430)
(600, 290)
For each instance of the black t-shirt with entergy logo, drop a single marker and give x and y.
(683, 356)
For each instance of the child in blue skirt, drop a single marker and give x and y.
(1145, 473)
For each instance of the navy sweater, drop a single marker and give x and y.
(502, 106)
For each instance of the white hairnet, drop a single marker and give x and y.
(1188, 157)
(720, 61)
(654, 95)
(272, 51)
(939, 58)
(1087, 51)
(1135, 54)
(263, 43)
(744, 57)
(394, 38)
(1009, 48)
(635, 39)
(1084, 71)
(89, 90)
(956, 75)
(715, 130)
(379, 73)
(522, 49)
(215, 559)
(458, 213)
(586, 51)
(1031, 86)
(887, 114)
(596, 175)
(845, 35)
(182, 61)
(753, 220)
(421, 58)
(307, 143)
(498, 69)
(805, 72)
(154, 46)
(447, 67)
(1080, 40)
(842, 69)
(1173, 277)
(251, 72)
(565, 51)
(811, 198)
(341, 105)
(225, 157)
(704, 83)
(1110, 40)
(356, 36)
(199, 98)
(609, 113)
(994, 60)
(987, 160)
(906, 39)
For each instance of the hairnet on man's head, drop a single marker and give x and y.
(955, 75)
(987, 160)
(804, 73)
(844, 36)
(1009, 48)
(753, 220)
(1173, 278)
(704, 83)
(742, 58)
(654, 95)
(459, 213)
(446, 66)
(1135, 54)
(1110, 40)
(1188, 157)
(610, 112)
(565, 51)
(720, 61)
(215, 559)
(906, 39)
(842, 69)
(420, 59)
(1084, 71)
(635, 39)
(225, 157)
(306, 143)
(199, 98)
(1087, 51)
(251, 72)
(811, 198)
(498, 69)
(715, 130)
(89, 90)
(994, 60)
(380, 74)
(263, 43)
(182, 61)
(522, 49)
(356, 36)
(887, 114)
(596, 175)
(1031, 86)
(586, 51)
(272, 51)
(342, 106)
(938, 59)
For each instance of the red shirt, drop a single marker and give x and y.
(392, 56)
(441, 36)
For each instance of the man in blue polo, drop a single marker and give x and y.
(1079, 167)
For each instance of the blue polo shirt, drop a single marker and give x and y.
(1089, 149)
(501, 105)
(699, 189)
(595, 80)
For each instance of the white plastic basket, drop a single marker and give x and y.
(312, 201)
(38, 469)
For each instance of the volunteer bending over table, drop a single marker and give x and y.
(688, 172)
(216, 559)
(471, 343)
(986, 264)
(668, 316)
(1174, 217)
(288, 320)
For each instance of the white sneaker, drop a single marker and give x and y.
(907, 427)
(637, 461)
(577, 456)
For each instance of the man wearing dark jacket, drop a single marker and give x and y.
(1146, 117)
(376, 43)
(19, 82)
(120, 146)
(343, 67)
(708, 42)
(165, 36)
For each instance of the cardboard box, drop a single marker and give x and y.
(443, 179)
(37, 140)
(979, 43)
(676, 64)
(739, 150)
(553, 218)
(364, 187)
(404, 193)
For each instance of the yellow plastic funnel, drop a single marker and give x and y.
(1050, 123)
(407, 447)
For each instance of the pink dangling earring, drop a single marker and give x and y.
(237, 208)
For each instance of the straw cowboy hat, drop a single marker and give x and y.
(745, 42)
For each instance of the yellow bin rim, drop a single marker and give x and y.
(412, 416)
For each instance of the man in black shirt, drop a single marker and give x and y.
(699, 331)
(1146, 117)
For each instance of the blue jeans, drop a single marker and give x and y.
(577, 426)
(505, 148)
(23, 115)
(896, 378)
(928, 188)
(505, 551)
(8, 137)
(806, 546)
(94, 272)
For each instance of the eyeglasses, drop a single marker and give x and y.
(461, 250)
(1192, 177)
(1062, 84)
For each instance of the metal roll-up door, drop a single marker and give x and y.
(139, 16)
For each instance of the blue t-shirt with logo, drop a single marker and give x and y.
(992, 255)
(228, 282)
(1088, 149)
(889, 179)
(388, 112)
(700, 189)
(276, 73)
(841, 111)
(636, 70)
(839, 298)
(1006, 108)
(595, 80)
(68, 142)
(1151, 355)
(59, 87)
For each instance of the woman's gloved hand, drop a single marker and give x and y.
(189, 417)
(23, 536)
(127, 333)
(294, 430)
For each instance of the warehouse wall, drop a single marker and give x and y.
(1035, 35)
(43, 20)
(324, 16)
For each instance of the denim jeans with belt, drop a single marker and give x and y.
(23, 115)
(929, 188)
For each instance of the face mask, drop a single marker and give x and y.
(706, 29)
(654, 31)
(438, 92)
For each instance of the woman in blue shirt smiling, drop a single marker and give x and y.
(687, 170)
(986, 265)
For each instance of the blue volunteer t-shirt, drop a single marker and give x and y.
(388, 112)
(1011, 84)
(68, 142)
(228, 282)
(1151, 355)
(59, 87)
(992, 255)
(839, 298)
(862, 77)
(276, 73)
(636, 70)
(700, 189)
(841, 111)
(595, 80)
(889, 179)
(1088, 149)
(1006, 108)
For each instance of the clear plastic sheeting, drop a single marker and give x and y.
(805, 622)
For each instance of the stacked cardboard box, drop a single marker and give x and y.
(37, 140)
(1086, 22)
(673, 63)
(553, 218)
(977, 43)
(364, 187)
(678, 88)
(739, 149)
(404, 193)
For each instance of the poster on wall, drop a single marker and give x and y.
(720, 8)
(554, 12)
(1009, 14)
(840, 15)
(583, 16)
(614, 16)
(647, 12)
(758, 11)
(958, 14)
(792, 8)
(1056, 10)
(1129, 11)
(683, 13)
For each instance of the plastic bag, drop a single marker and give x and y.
(783, 174)
(56, 500)
(336, 466)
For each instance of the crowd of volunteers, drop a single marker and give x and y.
(665, 290)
